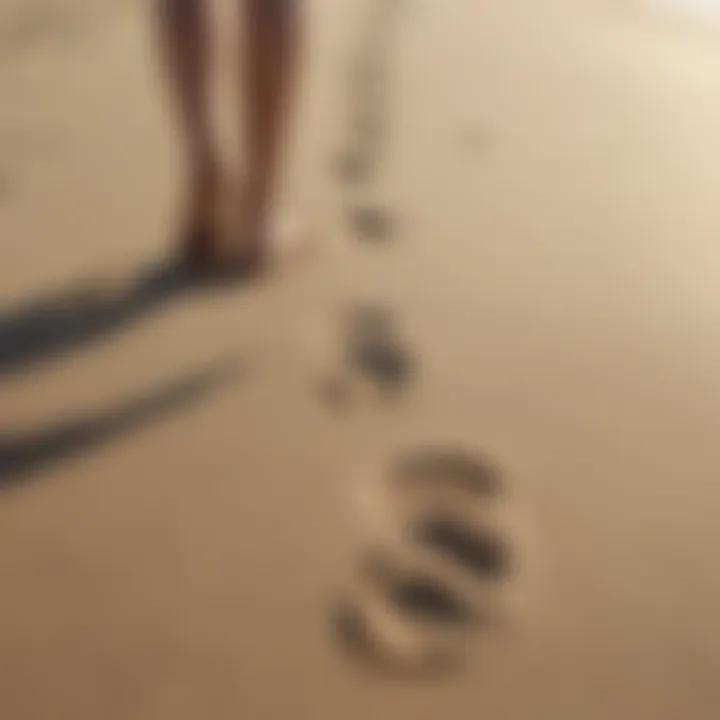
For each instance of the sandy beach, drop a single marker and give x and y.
(529, 190)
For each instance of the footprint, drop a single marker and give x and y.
(433, 563)
(452, 469)
(352, 168)
(482, 553)
(401, 621)
(372, 355)
(373, 224)
(368, 118)
(385, 361)
(383, 642)
(417, 595)
(375, 348)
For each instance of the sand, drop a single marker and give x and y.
(539, 215)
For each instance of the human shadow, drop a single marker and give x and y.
(23, 455)
(368, 100)
(48, 327)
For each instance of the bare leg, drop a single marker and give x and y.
(186, 38)
(272, 31)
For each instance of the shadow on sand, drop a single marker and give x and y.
(22, 456)
(55, 324)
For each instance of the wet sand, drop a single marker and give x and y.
(535, 204)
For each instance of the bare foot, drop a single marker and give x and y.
(264, 245)
(199, 236)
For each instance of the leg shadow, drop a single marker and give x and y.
(53, 325)
(23, 456)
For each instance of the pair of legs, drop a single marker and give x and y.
(270, 46)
